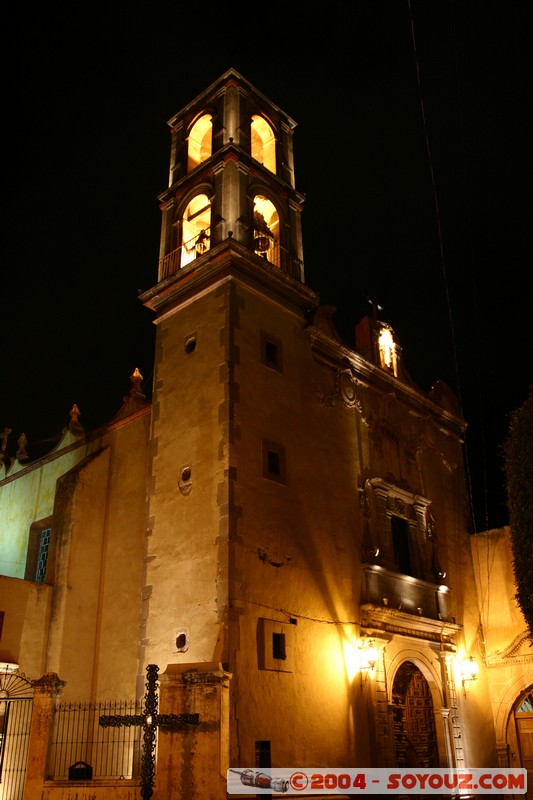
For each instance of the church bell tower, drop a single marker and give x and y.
(230, 281)
(231, 177)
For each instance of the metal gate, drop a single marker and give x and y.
(16, 705)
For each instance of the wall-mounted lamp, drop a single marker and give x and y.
(368, 656)
(469, 672)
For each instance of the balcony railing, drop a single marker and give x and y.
(275, 254)
(404, 593)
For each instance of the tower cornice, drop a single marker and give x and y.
(236, 154)
(229, 260)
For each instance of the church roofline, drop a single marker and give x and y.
(339, 356)
(69, 442)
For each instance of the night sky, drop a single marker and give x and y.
(413, 154)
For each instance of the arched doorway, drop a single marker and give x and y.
(520, 736)
(415, 736)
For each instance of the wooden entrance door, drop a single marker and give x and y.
(523, 714)
(415, 737)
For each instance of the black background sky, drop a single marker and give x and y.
(87, 149)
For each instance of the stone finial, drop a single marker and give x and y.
(5, 437)
(3, 455)
(22, 453)
(136, 380)
(74, 425)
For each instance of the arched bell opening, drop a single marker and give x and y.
(266, 229)
(263, 143)
(195, 229)
(200, 141)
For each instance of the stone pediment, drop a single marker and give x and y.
(519, 651)
(393, 621)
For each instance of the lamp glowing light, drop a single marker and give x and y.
(368, 656)
(469, 672)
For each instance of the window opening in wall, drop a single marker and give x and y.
(263, 143)
(200, 141)
(42, 557)
(400, 544)
(263, 754)
(273, 463)
(271, 352)
(275, 642)
(274, 466)
(195, 229)
(190, 345)
(279, 649)
(41, 550)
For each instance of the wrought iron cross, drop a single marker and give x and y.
(149, 720)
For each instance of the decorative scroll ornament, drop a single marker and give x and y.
(345, 390)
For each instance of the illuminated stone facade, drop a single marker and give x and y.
(283, 530)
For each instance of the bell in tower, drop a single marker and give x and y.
(231, 177)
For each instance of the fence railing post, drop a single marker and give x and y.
(46, 689)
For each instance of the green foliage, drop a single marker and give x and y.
(518, 466)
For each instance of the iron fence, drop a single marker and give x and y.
(15, 722)
(78, 738)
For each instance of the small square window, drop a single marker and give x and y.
(278, 646)
(274, 462)
(262, 754)
(275, 641)
(271, 352)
